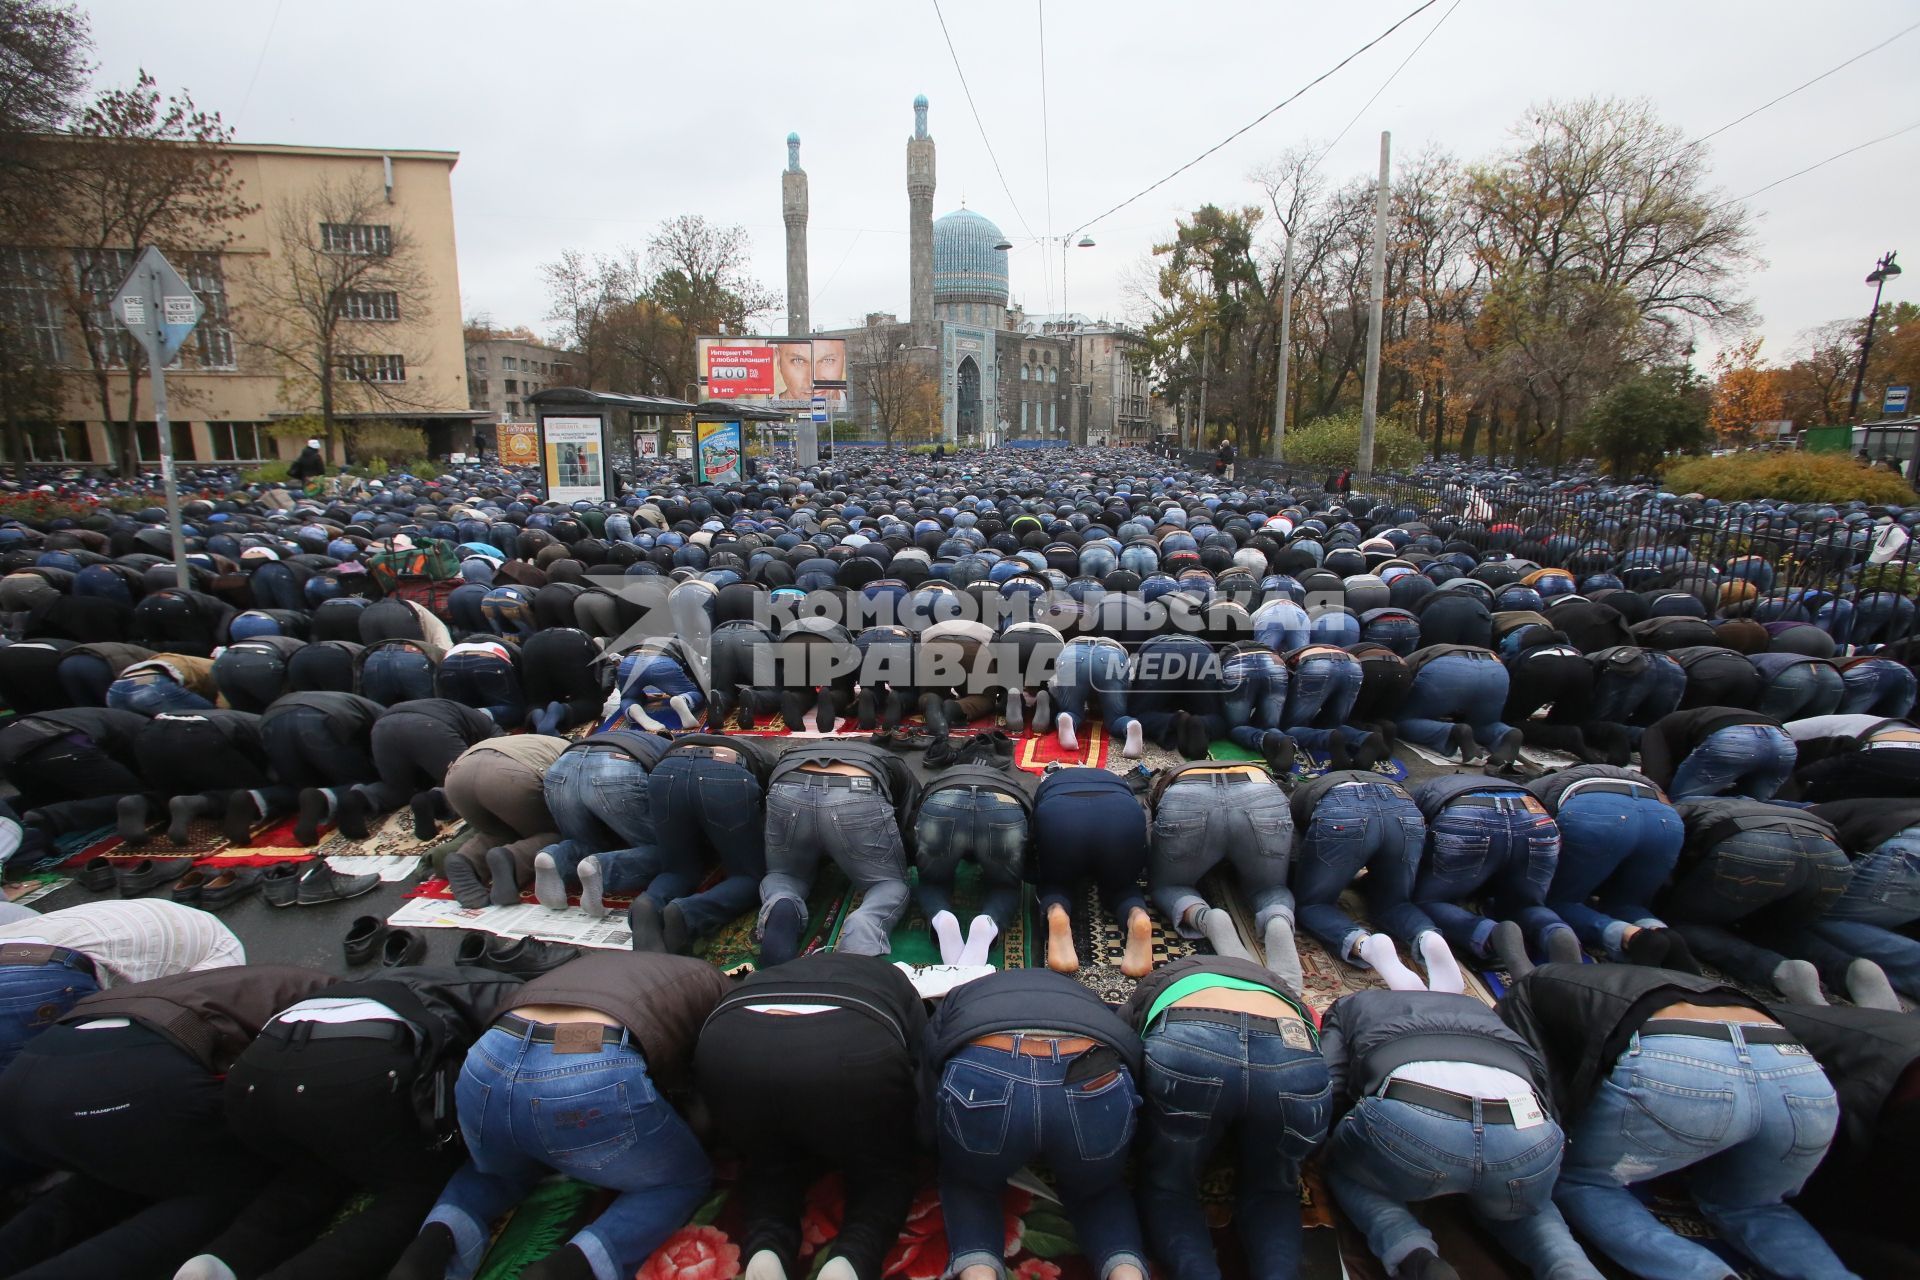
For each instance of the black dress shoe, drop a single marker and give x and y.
(322, 883)
(473, 950)
(402, 947)
(149, 873)
(217, 890)
(97, 875)
(364, 938)
(527, 957)
(280, 884)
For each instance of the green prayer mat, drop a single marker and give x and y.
(913, 941)
(733, 948)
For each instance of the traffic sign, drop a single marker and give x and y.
(157, 306)
(1896, 401)
(819, 408)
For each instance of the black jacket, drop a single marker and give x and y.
(1308, 794)
(349, 716)
(469, 724)
(1711, 820)
(1864, 825)
(109, 728)
(647, 748)
(1434, 794)
(871, 985)
(1368, 1035)
(1026, 1000)
(1017, 785)
(1550, 788)
(896, 782)
(1580, 1016)
(447, 1008)
(1864, 1053)
(1670, 738)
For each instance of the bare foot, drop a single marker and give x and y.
(1060, 954)
(1137, 960)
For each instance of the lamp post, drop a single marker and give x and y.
(1883, 271)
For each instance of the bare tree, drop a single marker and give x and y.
(137, 171)
(43, 73)
(338, 303)
(583, 293)
(900, 388)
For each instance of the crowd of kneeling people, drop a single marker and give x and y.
(219, 1120)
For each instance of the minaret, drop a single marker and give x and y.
(793, 207)
(920, 224)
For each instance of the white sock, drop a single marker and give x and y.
(1136, 741)
(765, 1265)
(947, 929)
(838, 1268)
(204, 1267)
(1443, 971)
(645, 721)
(1064, 727)
(682, 705)
(1379, 953)
(590, 887)
(980, 936)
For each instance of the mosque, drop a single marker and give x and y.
(1004, 377)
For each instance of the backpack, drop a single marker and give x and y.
(428, 560)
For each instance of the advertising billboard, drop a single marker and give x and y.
(779, 373)
(519, 444)
(719, 452)
(574, 450)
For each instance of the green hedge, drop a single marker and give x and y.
(1792, 477)
(1335, 442)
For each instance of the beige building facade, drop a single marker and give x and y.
(503, 372)
(228, 389)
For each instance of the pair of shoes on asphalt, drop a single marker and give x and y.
(136, 878)
(522, 957)
(215, 890)
(990, 747)
(306, 884)
(370, 938)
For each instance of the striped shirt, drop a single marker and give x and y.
(135, 940)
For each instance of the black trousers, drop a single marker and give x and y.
(798, 1095)
(192, 757)
(141, 1126)
(411, 754)
(1727, 680)
(561, 666)
(339, 1115)
(304, 751)
(71, 784)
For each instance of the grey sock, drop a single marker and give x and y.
(1216, 926)
(549, 886)
(1563, 946)
(1283, 955)
(1868, 986)
(1509, 947)
(591, 887)
(1798, 981)
(505, 890)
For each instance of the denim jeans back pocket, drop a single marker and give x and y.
(1179, 1105)
(1814, 1117)
(1458, 855)
(1180, 839)
(1674, 1119)
(1528, 1192)
(587, 1130)
(1101, 1111)
(1306, 1118)
(975, 1107)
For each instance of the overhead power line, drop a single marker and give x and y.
(1431, 31)
(1809, 83)
(978, 122)
(1821, 164)
(1046, 150)
(1256, 121)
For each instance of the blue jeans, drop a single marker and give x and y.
(1087, 825)
(151, 694)
(655, 675)
(856, 828)
(1621, 848)
(1455, 688)
(1876, 687)
(1504, 853)
(1752, 760)
(484, 682)
(1882, 896)
(1749, 1122)
(1388, 1154)
(988, 826)
(1255, 699)
(1282, 626)
(33, 997)
(526, 1111)
(1801, 691)
(1207, 1077)
(1320, 698)
(1202, 821)
(599, 799)
(1361, 824)
(706, 811)
(395, 674)
(994, 1112)
(1091, 668)
(1637, 700)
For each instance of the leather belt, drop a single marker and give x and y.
(1458, 1105)
(1751, 1032)
(1227, 1017)
(40, 953)
(805, 779)
(1609, 786)
(1029, 1045)
(552, 1032)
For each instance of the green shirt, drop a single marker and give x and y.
(1197, 982)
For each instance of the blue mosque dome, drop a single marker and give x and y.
(966, 266)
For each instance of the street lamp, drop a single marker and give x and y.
(1883, 271)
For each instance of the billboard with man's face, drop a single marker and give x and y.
(781, 373)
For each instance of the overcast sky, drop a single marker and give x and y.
(585, 125)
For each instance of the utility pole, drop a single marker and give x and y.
(1286, 352)
(1206, 356)
(1376, 299)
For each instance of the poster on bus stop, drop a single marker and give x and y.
(519, 444)
(719, 452)
(574, 451)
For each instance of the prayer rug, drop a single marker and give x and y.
(734, 950)
(912, 940)
(1038, 750)
(1306, 764)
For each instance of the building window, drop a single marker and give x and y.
(57, 442)
(513, 387)
(480, 386)
(1053, 417)
(1023, 373)
(146, 441)
(509, 364)
(366, 239)
(377, 305)
(375, 368)
(513, 409)
(213, 336)
(239, 441)
(1023, 415)
(100, 273)
(480, 363)
(1053, 375)
(30, 301)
